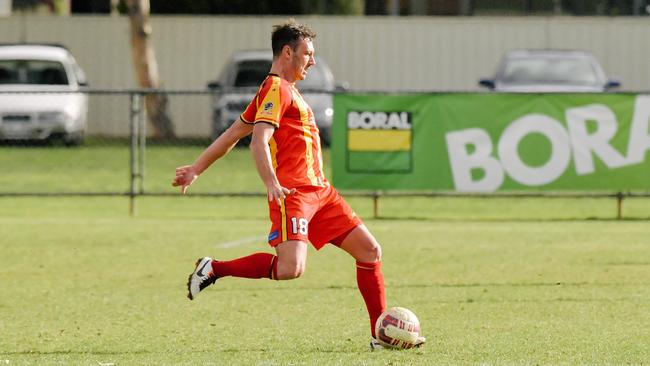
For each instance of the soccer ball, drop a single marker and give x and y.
(397, 328)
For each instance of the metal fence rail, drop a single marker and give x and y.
(132, 154)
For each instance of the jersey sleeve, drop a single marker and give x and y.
(269, 104)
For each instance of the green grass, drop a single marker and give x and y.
(106, 168)
(98, 168)
(501, 281)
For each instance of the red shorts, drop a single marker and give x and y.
(315, 214)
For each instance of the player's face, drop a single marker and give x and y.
(303, 58)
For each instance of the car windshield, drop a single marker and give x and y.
(252, 73)
(37, 72)
(530, 70)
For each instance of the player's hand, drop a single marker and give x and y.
(277, 193)
(185, 176)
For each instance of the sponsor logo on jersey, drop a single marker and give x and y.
(274, 235)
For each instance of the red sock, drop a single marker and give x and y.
(370, 280)
(258, 265)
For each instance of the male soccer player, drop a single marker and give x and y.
(303, 206)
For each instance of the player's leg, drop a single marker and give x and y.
(207, 270)
(292, 258)
(336, 223)
(254, 266)
(288, 235)
(365, 249)
(289, 263)
(362, 245)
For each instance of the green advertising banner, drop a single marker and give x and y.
(491, 142)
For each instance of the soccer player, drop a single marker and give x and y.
(303, 206)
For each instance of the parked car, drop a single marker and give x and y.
(548, 71)
(48, 113)
(243, 74)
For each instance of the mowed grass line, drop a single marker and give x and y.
(105, 168)
(83, 283)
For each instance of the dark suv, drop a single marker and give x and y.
(243, 74)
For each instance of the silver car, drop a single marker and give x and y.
(243, 74)
(57, 109)
(549, 71)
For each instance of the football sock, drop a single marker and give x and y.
(257, 265)
(370, 280)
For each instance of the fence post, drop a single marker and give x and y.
(619, 205)
(133, 136)
(375, 205)
(142, 141)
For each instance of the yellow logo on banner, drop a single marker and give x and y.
(379, 131)
(379, 140)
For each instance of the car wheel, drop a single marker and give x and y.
(245, 141)
(325, 137)
(73, 139)
(217, 124)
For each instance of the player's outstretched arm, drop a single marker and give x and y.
(262, 155)
(186, 175)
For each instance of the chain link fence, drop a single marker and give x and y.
(93, 142)
(121, 151)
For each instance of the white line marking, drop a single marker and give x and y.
(240, 242)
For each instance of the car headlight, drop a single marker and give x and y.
(329, 112)
(53, 117)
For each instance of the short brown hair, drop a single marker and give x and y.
(289, 34)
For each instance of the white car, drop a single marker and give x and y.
(242, 76)
(40, 96)
(549, 71)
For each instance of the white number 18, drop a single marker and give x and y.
(299, 225)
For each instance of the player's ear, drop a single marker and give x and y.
(287, 50)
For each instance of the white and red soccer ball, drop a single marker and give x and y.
(398, 328)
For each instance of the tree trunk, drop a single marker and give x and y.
(146, 68)
(375, 7)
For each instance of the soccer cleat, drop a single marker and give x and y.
(420, 342)
(375, 345)
(201, 278)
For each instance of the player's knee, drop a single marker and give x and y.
(374, 252)
(290, 271)
(297, 272)
(370, 253)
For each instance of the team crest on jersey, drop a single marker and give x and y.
(268, 108)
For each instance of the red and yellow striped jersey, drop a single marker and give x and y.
(295, 145)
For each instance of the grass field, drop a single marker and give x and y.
(505, 281)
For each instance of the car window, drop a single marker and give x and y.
(575, 71)
(252, 73)
(32, 72)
